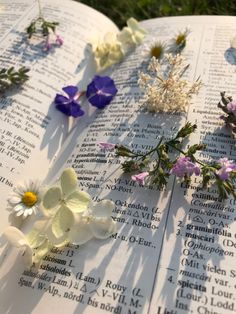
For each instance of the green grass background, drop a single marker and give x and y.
(120, 10)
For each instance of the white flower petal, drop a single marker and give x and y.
(103, 208)
(102, 228)
(35, 238)
(62, 221)
(80, 233)
(20, 212)
(68, 181)
(19, 207)
(14, 199)
(15, 237)
(52, 198)
(78, 201)
(58, 242)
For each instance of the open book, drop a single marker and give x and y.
(174, 251)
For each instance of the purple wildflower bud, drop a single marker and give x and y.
(59, 40)
(231, 106)
(227, 166)
(140, 177)
(101, 91)
(69, 105)
(185, 167)
(106, 146)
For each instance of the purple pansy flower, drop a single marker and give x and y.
(69, 105)
(106, 146)
(184, 166)
(232, 107)
(140, 177)
(227, 166)
(101, 91)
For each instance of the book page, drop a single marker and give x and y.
(143, 267)
(32, 131)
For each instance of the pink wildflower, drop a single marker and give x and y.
(140, 177)
(185, 167)
(227, 166)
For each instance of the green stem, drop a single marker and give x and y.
(40, 10)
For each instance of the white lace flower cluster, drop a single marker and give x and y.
(69, 216)
(164, 88)
(114, 47)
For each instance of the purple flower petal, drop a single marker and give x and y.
(60, 99)
(70, 90)
(100, 101)
(101, 91)
(76, 110)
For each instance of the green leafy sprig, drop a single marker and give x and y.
(159, 161)
(40, 25)
(12, 77)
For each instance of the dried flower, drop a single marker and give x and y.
(26, 199)
(101, 91)
(107, 52)
(96, 222)
(164, 88)
(106, 146)
(114, 47)
(132, 35)
(185, 167)
(69, 105)
(157, 163)
(140, 177)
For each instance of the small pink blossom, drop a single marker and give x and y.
(185, 167)
(140, 177)
(59, 40)
(227, 166)
(106, 146)
(232, 107)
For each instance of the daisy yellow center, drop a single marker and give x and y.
(29, 199)
(180, 39)
(156, 51)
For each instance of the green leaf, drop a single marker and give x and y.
(62, 221)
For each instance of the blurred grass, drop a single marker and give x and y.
(120, 10)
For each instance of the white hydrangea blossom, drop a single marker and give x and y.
(70, 216)
(164, 87)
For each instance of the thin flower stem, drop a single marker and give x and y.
(40, 10)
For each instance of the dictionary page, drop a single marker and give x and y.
(32, 131)
(137, 269)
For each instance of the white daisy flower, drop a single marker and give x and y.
(25, 199)
(154, 49)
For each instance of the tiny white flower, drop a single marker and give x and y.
(26, 199)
